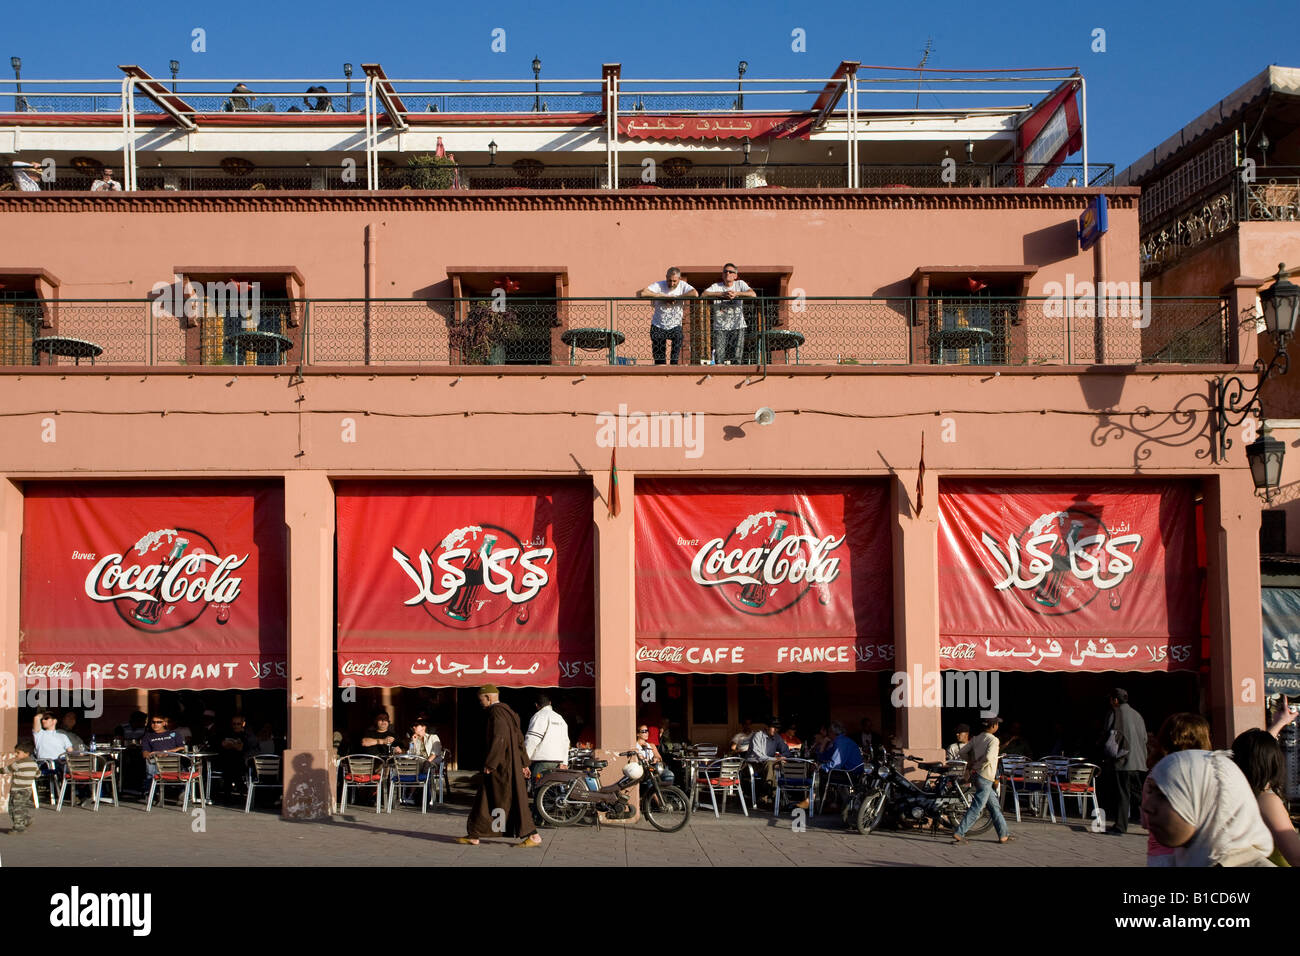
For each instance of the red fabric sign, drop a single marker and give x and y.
(740, 577)
(165, 586)
(1056, 576)
(1048, 135)
(775, 126)
(459, 584)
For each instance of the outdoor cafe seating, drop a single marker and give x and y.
(362, 770)
(796, 780)
(721, 777)
(176, 770)
(92, 770)
(265, 771)
(407, 774)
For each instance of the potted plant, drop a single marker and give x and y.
(480, 336)
(432, 172)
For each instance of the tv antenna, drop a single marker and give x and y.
(920, 77)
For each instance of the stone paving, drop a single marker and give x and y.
(127, 836)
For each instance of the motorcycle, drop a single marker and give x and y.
(893, 800)
(566, 797)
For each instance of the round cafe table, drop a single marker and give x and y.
(75, 349)
(593, 340)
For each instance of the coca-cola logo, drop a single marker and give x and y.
(166, 580)
(375, 668)
(769, 562)
(957, 652)
(477, 575)
(53, 669)
(663, 655)
(1063, 560)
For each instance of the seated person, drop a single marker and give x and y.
(232, 747)
(963, 738)
(380, 740)
(425, 745)
(52, 747)
(740, 741)
(844, 753)
(158, 740)
(767, 751)
(650, 754)
(69, 725)
(791, 738)
(267, 742)
(136, 727)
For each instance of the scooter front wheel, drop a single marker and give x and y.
(871, 812)
(668, 809)
(553, 805)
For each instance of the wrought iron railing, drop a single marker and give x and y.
(823, 331)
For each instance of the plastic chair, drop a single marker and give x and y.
(796, 776)
(93, 770)
(408, 773)
(1081, 783)
(362, 770)
(264, 770)
(175, 770)
(1035, 783)
(722, 776)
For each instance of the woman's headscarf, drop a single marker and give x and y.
(1207, 790)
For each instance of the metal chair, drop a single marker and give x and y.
(264, 770)
(1010, 771)
(408, 773)
(1035, 783)
(722, 776)
(438, 780)
(175, 770)
(1080, 783)
(93, 770)
(50, 776)
(796, 776)
(842, 780)
(362, 770)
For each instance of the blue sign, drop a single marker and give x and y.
(1093, 223)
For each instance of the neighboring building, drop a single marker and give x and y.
(327, 447)
(1220, 210)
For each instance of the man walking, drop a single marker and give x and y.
(547, 740)
(666, 323)
(729, 315)
(1126, 748)
(503, 784)
(981, 756)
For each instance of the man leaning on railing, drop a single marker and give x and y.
(666, 323)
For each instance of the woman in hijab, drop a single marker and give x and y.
(1199, 803)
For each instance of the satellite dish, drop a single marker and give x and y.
(764, 416)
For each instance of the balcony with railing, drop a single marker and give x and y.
(840, 332)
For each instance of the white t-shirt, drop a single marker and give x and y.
(51, 744)
(729, 314)
(110, 184)
(668, 315)
(23, 178)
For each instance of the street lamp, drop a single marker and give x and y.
(175, 66)
(20, 102)
(347, 73)
(537, 85)
(492, 153)
(1263, 145)
(1232, 400)
(1265, 455)
(745, 145)
(741, 67)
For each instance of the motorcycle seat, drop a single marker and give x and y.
(933, 766)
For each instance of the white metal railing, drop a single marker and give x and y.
(613, 95)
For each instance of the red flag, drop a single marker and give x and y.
(920, 478)
(612, 496)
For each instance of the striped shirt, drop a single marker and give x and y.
(25, 771)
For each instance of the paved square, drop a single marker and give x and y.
(127, 836)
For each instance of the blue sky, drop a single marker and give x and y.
(1164, 62)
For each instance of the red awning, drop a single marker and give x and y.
(159, 585)
(458, 584)
(1068, 576)
(737, 577)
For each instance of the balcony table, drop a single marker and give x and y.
(783, 340)
(593, 340)
(75, 349)
(263, 343)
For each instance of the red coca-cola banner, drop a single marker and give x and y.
(763, 576)
(1067, 576)
(774, 126)
(159, 585)
(458, 584)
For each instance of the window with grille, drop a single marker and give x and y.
(20, 319)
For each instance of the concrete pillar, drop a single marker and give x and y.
(11, 678)
(916, 607)
(1236, 690)
(616, 690)
(309, 771)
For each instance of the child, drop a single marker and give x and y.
(24, 771)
